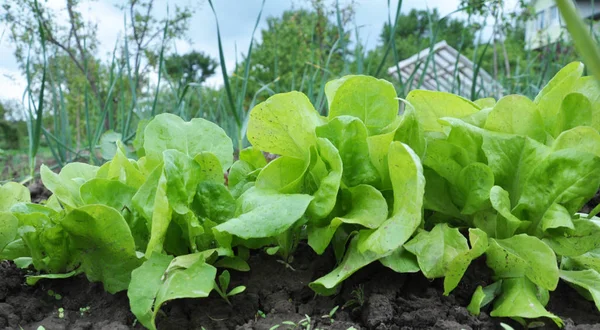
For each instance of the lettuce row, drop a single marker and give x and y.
(145, 225)
(430, 190)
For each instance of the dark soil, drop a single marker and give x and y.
(373, 298)
(38, 191)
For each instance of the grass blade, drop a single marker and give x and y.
(224, 69)
(160, 64)
(584, 42)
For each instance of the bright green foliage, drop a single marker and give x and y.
(408, 183)
(65, 185)
(588, 280)
(436, 249)
(515, 173)
(284, 125)
(191, 138)
(366, 182)
(104, 242)
(162, 278)
(370, 100)
(432, 106)
(10, 193)
(145, 283)
(519, 299)
(523, 256)
(457, 267)
(264, 213)
(107, 221)
(223, 284)
(346, 163)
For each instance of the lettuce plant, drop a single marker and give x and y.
(122, 223)
(515, 173)
(345, 180)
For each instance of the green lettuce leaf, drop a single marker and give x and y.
(483, 296)
(162, 278)
(523, 256)
(512, 159)
(264, 213)
(167, 131)
(588, 260)
(582, 138)
(472, 190)
(353, 261)
(284, 174)
(436, 249)
(365, 206)
(406, 174)
(588, 86)
(431, 106)
(111, 193)
(550, 98)
(47, 244)
(105, 244)
(580, 239)
(567, 177)
(67, 183)
(349, 136)
(506, 223)
(369, 99)
(325, 175)
(9, 225)
(519, 299)
(12, 193)
(401, 261)
(182, 179)
(575, 110)
(516, 114)
(284, 125)
(146, 280)
(456, 268)
(588, 280)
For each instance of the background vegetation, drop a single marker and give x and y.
(76, 104)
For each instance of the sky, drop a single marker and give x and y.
(236, 21)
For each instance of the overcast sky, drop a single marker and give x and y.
(236, 20)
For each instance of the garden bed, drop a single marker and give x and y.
(349, 193)
(277, 294)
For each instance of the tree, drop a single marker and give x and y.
(72, 60)
(10, 134)
(296, 47)
(149, 36)
(192, 67)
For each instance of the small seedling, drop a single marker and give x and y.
(358, 298)
(304, 324)
(61, 313)
(331, 314)
(223, 284)
(56, 296)
(84, 310)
